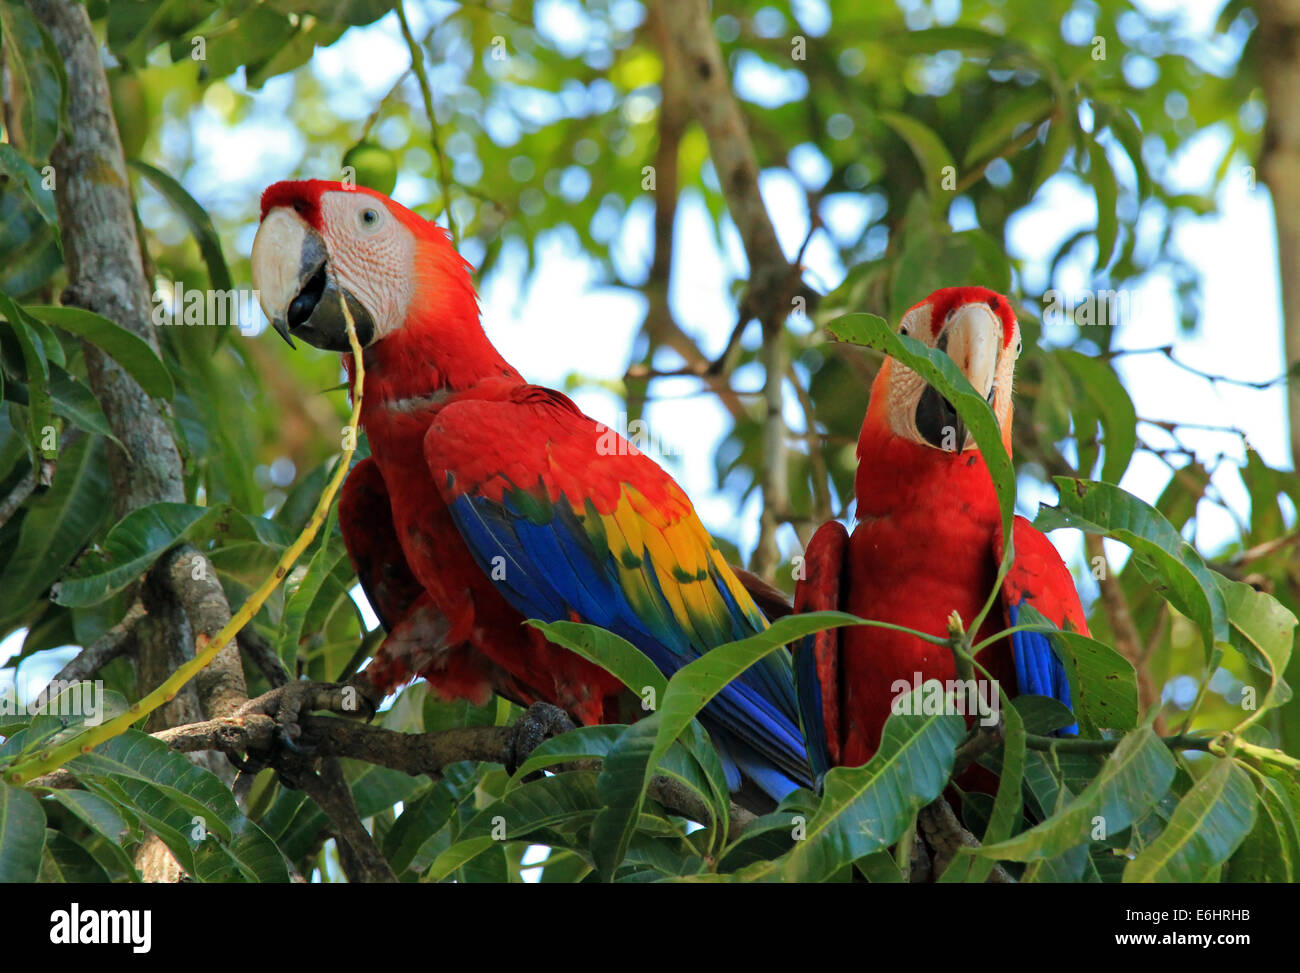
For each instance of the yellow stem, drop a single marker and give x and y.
(50, 760)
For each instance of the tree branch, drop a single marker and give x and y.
(435, 139)
(1278, 46)
(221, 686)
(773, 280)
(362, 860)
(106, 274)
(946, 835)
(660, 327)
(412, 753)
(117, 640)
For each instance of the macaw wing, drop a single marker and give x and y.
(571, 522)
(1040, 578)
(366, 520)
(817, 656)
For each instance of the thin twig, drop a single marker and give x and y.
(264, 656)
(116, 641)
(1261, 551)
(426, 92)
(1168, 352)
(23, 489)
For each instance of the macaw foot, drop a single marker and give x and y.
(287, 703)
(540, 722)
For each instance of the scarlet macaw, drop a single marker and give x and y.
(928, 542)
(487, 500)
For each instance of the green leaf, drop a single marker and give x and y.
(1029, 106)
(25, 175)
(583, 743)
(131, 548)
(75, 402)
(36, 74)
(932, 155)
(1040, 780)
(1132, 779)
(881, 868)
(58, 524)
(102, 817)
(941, 372)
(1107, 397)
(300, 599)
(422, 820)
(1042, 714)
(1271, 852)
(66, 861)
(635, 758)
(972, 40)
(692, 762)
(764, 839)
(1055, 146)
(351, 12)
(1106, 509)
(22, 835)
(32, 342)
(864, 809)
(564, 799)
(295, 823)
(186, 805)
(613, 653)
(124, 347)
(1106, 189)
(205, 234)
(134, 29)
(96, 813)
(1262, 629)
(1211, 820)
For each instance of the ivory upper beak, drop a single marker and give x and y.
(974, 342)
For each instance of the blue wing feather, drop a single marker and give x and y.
(1038, 670)
(809, 689)
(552, 570)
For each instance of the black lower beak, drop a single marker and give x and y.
(316, 314)
(938, 422)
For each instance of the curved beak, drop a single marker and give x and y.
(297, 287)
(973, 340)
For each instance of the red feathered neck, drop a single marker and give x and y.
(441, 346)
(897, 474)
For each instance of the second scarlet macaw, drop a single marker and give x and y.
(928, 542)
(487, 500)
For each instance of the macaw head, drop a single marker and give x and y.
(977, 329)
(323, 242)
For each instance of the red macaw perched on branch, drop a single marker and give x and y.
(487, 500)
(928, 542)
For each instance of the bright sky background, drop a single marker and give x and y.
(561, 319)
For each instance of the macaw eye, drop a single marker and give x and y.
(369, 218)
